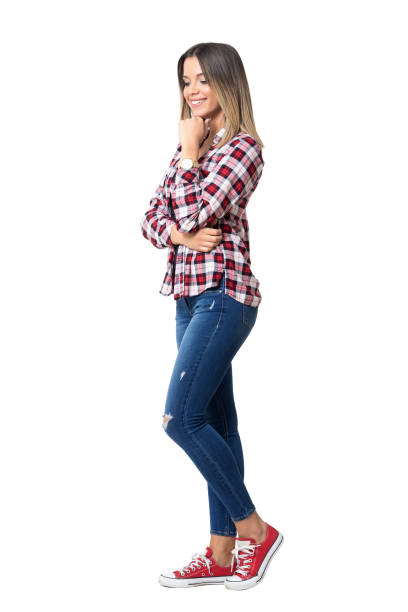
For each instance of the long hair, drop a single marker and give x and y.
(224, 72)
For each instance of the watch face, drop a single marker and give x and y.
(187, 163)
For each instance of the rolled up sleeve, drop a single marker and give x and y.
(157, 222)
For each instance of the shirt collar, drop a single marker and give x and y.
(218, 135)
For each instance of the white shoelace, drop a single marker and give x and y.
(244, 556)
(197, 560)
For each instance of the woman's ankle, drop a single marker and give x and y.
(222, 558)
(252, 527)
(222, 547)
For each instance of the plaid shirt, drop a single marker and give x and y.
(215, 194)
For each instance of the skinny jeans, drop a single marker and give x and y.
(200, 414)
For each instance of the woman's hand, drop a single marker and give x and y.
(205, 239)
(192, 131)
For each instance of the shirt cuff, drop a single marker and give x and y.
(187, 176)
(166, 234)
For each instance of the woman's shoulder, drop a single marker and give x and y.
(243, 148)
(245, 137)
(241, 140)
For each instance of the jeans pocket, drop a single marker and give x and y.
(212, 290)
(249, 314)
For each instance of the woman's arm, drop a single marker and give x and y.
(157, 223)
(160, 228)
(199, 203)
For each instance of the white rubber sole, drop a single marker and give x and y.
(240, 585)
(189, 582)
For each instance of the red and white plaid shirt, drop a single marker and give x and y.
(215, 194)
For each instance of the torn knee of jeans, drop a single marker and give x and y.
(182, 374)
(166, 419)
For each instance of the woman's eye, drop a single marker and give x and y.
(186, 84)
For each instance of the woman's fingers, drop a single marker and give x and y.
(205, 239)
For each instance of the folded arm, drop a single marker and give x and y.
(200, 202)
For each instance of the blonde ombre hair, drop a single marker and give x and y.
(225, 74)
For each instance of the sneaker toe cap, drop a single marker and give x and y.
(234, 578)
(168, 574)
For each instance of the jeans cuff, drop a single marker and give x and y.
(223, 533)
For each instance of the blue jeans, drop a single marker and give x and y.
(200, 414)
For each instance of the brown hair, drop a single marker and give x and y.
(224, 72)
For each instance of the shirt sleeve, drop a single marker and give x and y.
(157, 222)
(200, 202)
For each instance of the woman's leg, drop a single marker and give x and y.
(218, 327)
(222, 415)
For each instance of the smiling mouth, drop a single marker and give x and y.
(197, 102)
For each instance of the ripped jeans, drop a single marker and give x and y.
(200, 414)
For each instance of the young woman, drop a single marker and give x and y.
(199, 213)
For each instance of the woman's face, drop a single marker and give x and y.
(197, 88)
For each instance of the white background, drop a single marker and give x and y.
(96, 499)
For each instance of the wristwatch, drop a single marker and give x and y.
(186, 163)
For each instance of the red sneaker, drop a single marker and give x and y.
(252, 559)
(201, 570)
